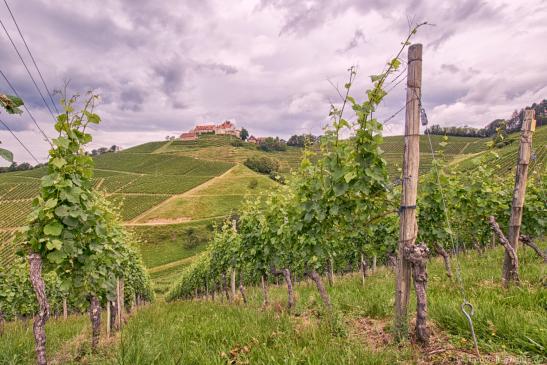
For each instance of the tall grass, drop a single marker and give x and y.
(204, 332)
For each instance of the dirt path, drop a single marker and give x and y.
(167, 221)
(186, 193)
(98, 186)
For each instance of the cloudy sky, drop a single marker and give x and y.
(268, 65)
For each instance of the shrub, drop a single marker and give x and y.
(272, 144)
(263, 165)
(237, 143)
(276, 177)
(191, 238)
(253, 184)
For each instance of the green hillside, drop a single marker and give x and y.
(166, 188)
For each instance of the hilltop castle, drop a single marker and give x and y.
(226, 127)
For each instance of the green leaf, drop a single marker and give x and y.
(349, 176)
(93, 118)
(61, 211)
(58, 162)
(375, 78)
(395, 63)
(62, 142)
(340, 189)
(50, 203)
(11, 103)
(54, 245)
(56, 256)
(6, 155)
(53, 229)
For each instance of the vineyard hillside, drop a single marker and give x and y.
(173, 192)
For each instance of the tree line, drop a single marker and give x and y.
(497, 126)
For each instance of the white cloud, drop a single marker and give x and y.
(163, 66)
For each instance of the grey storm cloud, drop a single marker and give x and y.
(358, 37)
(162, 67)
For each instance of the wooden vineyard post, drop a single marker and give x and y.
(108, 318)
(408, 228)
(233, 283)
(39, 326)
(119, 303)
(525, 151)
(65, 308)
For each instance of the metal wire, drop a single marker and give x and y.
(46, 138)
(27, 69)
(18, 140)
(455, 245)
(32, 57)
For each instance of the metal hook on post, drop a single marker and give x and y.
(468, 315)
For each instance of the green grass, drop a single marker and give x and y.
(166, 243)
(17, 344)
(194, 333)
(165, 278)
(146, 147)
(218, 198)
(131, 206)
(159, 164)
(198, 332)
(196, 207)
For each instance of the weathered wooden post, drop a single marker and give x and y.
(408, 228)
(525, 151)
(65, 308)
(108, 319)
(233, 283)
(233, 270)
(119, 303)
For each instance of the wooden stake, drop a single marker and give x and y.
(233, 283)
(39, 326)
(363, 267)
(525, 151)
(108, 319)
(118, 305)
(65, 309)
(408, 228)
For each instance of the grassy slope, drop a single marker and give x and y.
(205, 206)
(217, 198)
(204, 333)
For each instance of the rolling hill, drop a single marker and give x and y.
(171, 193)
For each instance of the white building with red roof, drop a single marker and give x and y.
(224, 128)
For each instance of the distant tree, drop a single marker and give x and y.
(263, 165)
(14, 166)
(302, 140)
(244, 134)
(270, 144)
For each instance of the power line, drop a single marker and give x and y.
(31, 57)
(26, 68)
(26, 108)
(18, 140)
